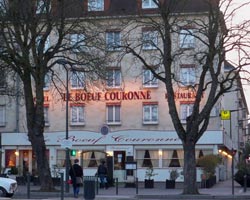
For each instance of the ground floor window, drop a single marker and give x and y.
(147, 158)
(92, 158)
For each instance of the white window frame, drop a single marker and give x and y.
(2, 115)
(41, 7)
(46, 82)
(149, 40)
(47, 42)
(188, 75)
(186, 110)
(77, 42)
(46, 115)
(148, 79)
(113, 78)
(77, 115)
(150, 114)
(95, 5)
(113, 40)
(77, 80)
(148, 4)
(113, 114)
(186, 39)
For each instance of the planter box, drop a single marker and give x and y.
(149, 183)
(170, 184)
(208, 183)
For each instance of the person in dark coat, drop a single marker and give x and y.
(102, 173)
(75, 173)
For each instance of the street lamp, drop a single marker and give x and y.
(67, 164)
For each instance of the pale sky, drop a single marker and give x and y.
(242, 15)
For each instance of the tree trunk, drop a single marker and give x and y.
(38, 145)
(190, 184)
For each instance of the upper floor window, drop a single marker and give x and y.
(77, 79)
(113, 40)
(187, 75)
(43, 6)
(149, 40)
(46, 82)
(3, 6)
(46, 115)
(39, 43)
(77, 115)
(186, 110)
(150, 113)
(2, 115)
(77, 42)
(113, 114)
(114, 78)
(148, 79)
(149, 4)
(186, 38)
(95, 5)
(2, 79)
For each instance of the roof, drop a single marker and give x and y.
(134, 7)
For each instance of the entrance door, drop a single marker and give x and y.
(119, 165)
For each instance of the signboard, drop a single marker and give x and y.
(66, 144)
(225, 115)
(131, 165)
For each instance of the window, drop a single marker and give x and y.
(113, 114)
(95, 5)
(186, 38)
(186, 111)
(147, 158)
(114, 78)
(3, 6)
(46, 115)
(39, 43)
(172, 158)
(2, 115)
(187, 75)
(149, 40)
(42, 6)
(148, 79)
(150, 113)
(46, 82)
(113, 40)
(77, 42)
(148, 4)
(92, 158)
(2, 79)
(77, 115)
(77, 80)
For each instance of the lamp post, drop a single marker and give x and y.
(67, 157)
(226, 115)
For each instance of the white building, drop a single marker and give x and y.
(127, 121)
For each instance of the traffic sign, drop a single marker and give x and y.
(66, 144)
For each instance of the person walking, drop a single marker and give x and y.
(102, 173)
(76, 174)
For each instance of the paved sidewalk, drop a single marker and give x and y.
(222, 190)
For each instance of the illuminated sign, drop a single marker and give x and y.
(225, 115)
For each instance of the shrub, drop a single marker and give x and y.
(209, 164)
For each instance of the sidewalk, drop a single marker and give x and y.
(220, 190)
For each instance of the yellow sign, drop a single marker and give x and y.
(225, 115)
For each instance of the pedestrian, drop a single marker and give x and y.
(76, 174)
(102, 173)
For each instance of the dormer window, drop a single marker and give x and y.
(148, 4)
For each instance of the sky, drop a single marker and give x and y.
(242, 15)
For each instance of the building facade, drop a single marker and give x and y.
(128, 118)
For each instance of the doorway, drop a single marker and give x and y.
(119, 165)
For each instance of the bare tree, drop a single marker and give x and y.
(170, 34)
(34, 35)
